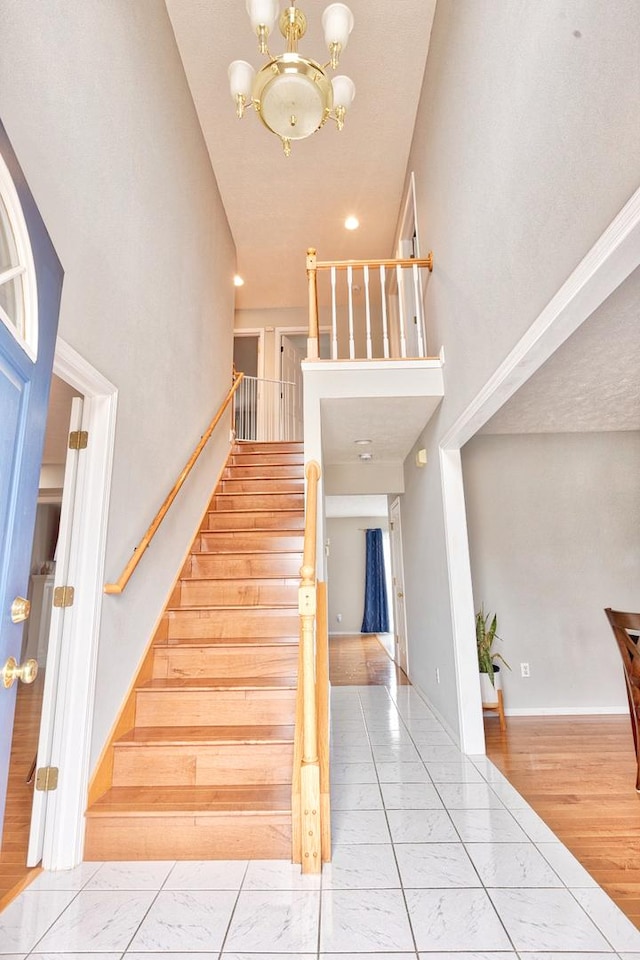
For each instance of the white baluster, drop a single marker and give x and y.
(403, 339)
(383, 298)
(367, 311)
(419, 313)
(352, 346)
(334, 317)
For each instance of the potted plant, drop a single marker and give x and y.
(486, 627)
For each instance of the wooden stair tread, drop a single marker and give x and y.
(239, 554)
(268, 510)
(242, 643)
(168, 801)
(257, 477)
(219, 683)
(241, 581)
(211, 608)
(266, 492)
(214, 735)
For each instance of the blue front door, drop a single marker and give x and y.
(30, 288)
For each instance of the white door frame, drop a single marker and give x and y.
(608, 264)
(60, 621)
(398, 601)
(74, 702)
(279, 333)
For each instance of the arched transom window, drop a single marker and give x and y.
(18, 291)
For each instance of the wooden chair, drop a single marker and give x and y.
(622, 624)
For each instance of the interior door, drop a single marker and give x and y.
(410, 305)
(399, 615)
(291, 372)
(60, 617)
(29, 268)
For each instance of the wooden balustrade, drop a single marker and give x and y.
(310, 790)
(119, 585)
(396, 330)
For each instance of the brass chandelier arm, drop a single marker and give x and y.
(292, 94)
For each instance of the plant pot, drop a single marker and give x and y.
(488, 691)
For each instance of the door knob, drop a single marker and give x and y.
(20, 610)
(26, 672)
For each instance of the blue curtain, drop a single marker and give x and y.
(376, 614)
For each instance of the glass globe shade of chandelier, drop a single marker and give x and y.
(292, 95)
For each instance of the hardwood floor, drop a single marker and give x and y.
(13, 872)
(362, 659)
(578, 773)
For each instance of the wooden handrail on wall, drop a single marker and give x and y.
(398, 269)
(310, 789)
(125, 576)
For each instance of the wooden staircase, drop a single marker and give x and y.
(204, 770)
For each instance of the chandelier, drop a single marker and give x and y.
(291, 94)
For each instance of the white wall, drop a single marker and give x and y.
(349, 479)
(527, 144)
(554, 523)
(94, 99)
(347, 570)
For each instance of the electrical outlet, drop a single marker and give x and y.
(339, 617)
(437, 675)
(524, 670)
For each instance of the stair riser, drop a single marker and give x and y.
(262, 448)
(249, 764)
(187, 708)
(188, 837)
(258, 501)
(248, 485)
(266, 459)
(256, 565)
(264, 521)
(246, 541)
(237, 472)
(225, 662)
(202, 593)
(227, 624)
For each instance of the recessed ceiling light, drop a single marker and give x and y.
(238, 281)
(352, 223)
(366, 457)
(362, 443)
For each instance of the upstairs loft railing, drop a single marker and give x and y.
(374, 309)
(119, 585)
(267, 410)
(310, 793)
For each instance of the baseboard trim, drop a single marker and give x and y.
(565, 711)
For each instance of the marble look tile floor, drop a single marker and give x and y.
(436, 857)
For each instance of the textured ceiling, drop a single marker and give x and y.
(393, 425)
(277, 207)
(591, 383)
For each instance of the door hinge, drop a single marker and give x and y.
(47, 778)
(63, 596)
(78, 439)
(391, 525)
